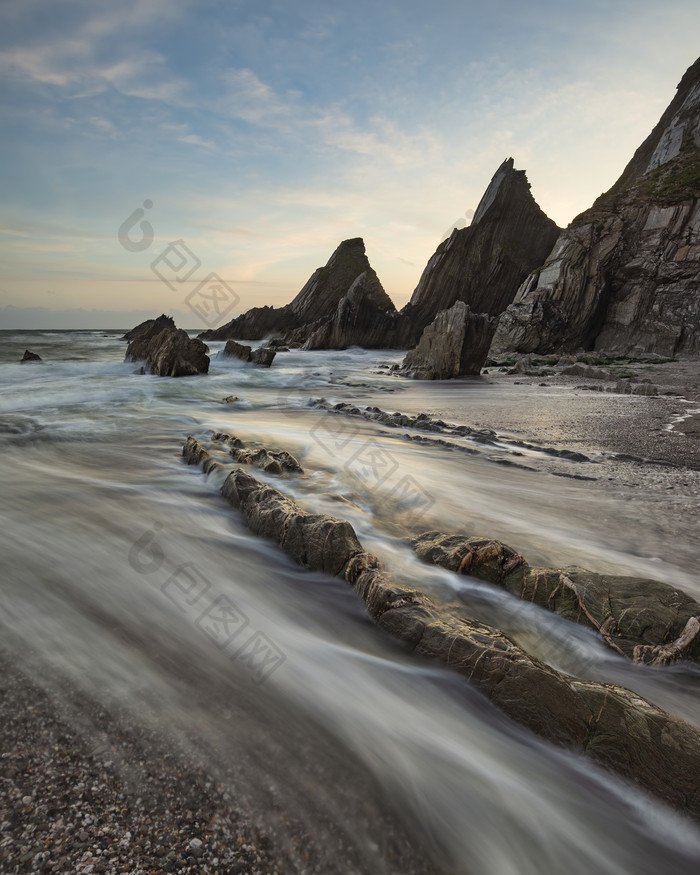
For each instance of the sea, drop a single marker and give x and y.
(126, 575)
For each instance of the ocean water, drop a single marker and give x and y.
(116, 555)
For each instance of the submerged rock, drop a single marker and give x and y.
(643, 619)
(624, 275)
(270, 461)
(455, 344)
(263, 356)
(30, 357)
(167, 351)
(612, 725)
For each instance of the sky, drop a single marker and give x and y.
(260, 135)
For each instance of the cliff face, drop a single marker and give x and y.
(316, 309)
(623, 277)
(484, 264)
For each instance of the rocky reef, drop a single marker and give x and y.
(167, 351)
(645, 620)
(456, 343)
(610, 724)
(30, 356)
(623, 277)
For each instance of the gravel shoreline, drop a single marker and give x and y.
(86, 791)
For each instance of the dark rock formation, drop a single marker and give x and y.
(587, 371)
(365, 316)
(484, 264)
(263, 356)
(237, 350)
(456, 343)
(167, 351)
(342, 304)
(30, 357)
(624, 275)
(642, 619)
(268, 460)
(150, 328)
(613, 725)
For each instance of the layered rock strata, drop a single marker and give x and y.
(166, 350)
(624, 276)
(455, 344)
(484, 264)
(342, 304)
(610, 724)
(645, 620)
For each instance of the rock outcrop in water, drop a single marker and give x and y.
(612, 725)
(30, 357)
(167, 350)
(342, 304)
(456, 343)
(623, 277)
(263, 356)
(642, 619)
(484, 264)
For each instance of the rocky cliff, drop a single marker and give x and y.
(484, 264)
(623, 277)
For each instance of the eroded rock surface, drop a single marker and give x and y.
(455, 344)
(645, 620)
(365, 316)
(270, 461)
(167, 351)
(614, 726)
(30, 357)
(263, 356)
(624, 275)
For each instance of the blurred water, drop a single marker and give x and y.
(101, 520)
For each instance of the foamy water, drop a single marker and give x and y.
(102, 523)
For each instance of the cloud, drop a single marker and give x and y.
(253, 101)
(194, 140)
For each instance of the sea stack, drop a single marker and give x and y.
(166, 350)
(484, 264)
(342, 304)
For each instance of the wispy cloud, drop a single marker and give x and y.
(195, 140)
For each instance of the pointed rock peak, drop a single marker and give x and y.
(324, 289)
(506, 180)
(355, 243)
(675, 138)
